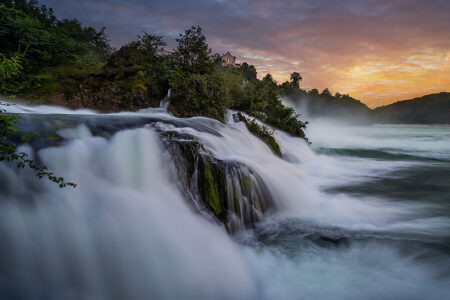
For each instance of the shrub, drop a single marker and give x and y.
(199, 95)
(10, 72)
(264, 133)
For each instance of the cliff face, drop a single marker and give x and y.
(110, 90)
(429, 109)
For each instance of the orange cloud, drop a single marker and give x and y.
(375, 79)
(379, 82)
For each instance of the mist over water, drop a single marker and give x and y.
(362, 213)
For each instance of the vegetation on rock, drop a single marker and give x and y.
(62, 62)
(230, 191)
(263, 132)
(199, 95)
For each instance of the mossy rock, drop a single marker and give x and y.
(263, 133)
(229, 191)
(184, 111)
(211, 193)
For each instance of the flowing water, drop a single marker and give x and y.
(362, 213)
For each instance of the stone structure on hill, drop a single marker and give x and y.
(229, 60)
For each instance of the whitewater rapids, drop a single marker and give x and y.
(347, 224)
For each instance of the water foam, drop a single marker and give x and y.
(127, 232)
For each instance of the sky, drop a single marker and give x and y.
(378, 51)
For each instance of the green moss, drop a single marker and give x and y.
(141, 74)
(139, 85)
(246, 183)
(70, 81)
(51, 87)
(188, 150)
(265, 135)
(43, 76)
(237, 207)
(211, 192)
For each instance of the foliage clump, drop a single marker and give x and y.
(264, 133)
(261, 131)
(10, 71)
(65, 63)
(211, 89)
(199, 94)
(40, 47)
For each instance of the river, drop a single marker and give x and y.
(361, 213)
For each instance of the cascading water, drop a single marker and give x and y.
(165, 102)
(156, 196)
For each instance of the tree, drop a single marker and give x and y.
(152, 44)
(338, 95)
(295, 80)
(148, 48)
(248, 71)
(314, 92)
(286, 85)
(32, 31)
(10, 70)
(199, 95)
(326, 92)
(30, 34)
(268, 79)
(193, 54)
(217, 59)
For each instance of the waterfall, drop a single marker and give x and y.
(123, 233)
(137, 214)
(169, 208)
(166, 101)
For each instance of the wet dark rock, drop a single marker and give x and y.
(228, 191)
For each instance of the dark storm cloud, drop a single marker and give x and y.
(316, 37)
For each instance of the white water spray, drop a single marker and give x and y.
(126, 231)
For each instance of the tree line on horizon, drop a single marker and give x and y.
(33, 38)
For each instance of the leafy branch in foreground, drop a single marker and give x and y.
(8, 150)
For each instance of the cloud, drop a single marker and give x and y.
(375, 49)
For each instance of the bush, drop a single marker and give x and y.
(10, 73)
(199, 95)
(261, 99)
(264, 133)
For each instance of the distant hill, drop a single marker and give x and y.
(312, 105)
(429, 109)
